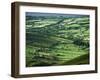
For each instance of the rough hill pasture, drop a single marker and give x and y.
(56, 40)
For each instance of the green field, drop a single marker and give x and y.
(57, 40)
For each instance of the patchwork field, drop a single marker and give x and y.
(57, 40)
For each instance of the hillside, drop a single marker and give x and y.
(57, 40)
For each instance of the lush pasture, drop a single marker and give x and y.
(57, 41)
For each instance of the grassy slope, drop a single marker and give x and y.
(53, 43)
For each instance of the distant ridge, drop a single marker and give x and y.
(54, 14)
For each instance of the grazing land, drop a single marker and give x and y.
(57, 40)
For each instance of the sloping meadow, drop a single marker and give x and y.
(57, 40)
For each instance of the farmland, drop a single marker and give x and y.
(57, 40)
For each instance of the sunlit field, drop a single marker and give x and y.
(56, 39)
